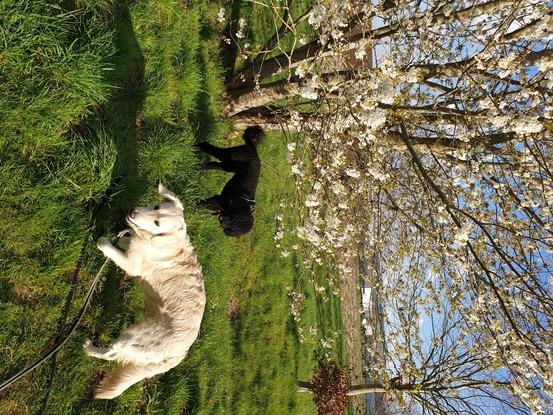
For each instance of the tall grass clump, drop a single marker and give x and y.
(53, 67)
(88, 171)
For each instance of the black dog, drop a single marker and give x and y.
(236, 202)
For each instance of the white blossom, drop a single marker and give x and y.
(241, 26)
(317, 15)
(221, 15)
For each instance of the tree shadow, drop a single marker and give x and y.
(121, 115)
(122, 119)
(202, 119)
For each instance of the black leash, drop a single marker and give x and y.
(62, 327)
(72, 329)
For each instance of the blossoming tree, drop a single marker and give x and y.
(435, 362)
(439, 158)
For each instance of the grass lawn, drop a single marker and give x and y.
(100, 100)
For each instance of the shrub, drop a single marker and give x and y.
(330, 386)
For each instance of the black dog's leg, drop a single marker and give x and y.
(228, 166)
(214, 165)
(212, 203)
(217, 152)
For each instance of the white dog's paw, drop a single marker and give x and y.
(87, 344)
(103, 243)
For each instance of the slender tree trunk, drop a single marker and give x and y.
(305, 387)
(459, 68)
(368, 388)
(355, 389)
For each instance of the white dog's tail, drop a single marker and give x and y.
(125, 376)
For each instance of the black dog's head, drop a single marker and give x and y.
(236, 223)
(253, 135)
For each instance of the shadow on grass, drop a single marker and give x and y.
(203, 118)
(121, 117)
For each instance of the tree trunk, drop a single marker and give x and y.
(353, 390)
(305, 387)
(367, 388)
(241, 101)
(266, 117)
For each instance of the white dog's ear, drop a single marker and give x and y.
(167, 194)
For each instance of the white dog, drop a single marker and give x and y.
(158, 251)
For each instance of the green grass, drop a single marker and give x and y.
(53, 65)
(99, 103)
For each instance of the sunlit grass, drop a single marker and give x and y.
(53, 68)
